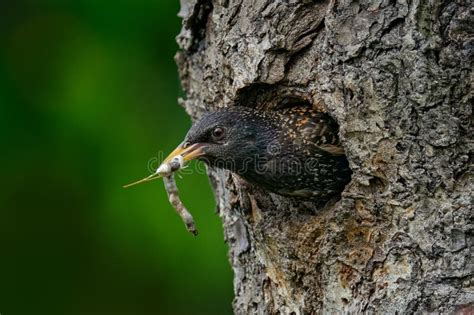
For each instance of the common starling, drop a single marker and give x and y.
(292, 152)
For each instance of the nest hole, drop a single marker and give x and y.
(270, 97)
(263, 96)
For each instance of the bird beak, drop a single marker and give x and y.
(187, 152)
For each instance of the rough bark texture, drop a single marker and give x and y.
(397, 77)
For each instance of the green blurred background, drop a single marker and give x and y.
(88, 94)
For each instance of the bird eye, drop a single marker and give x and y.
(218, 133)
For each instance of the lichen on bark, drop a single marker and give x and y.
(397, 77)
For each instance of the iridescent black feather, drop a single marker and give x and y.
(293, 152)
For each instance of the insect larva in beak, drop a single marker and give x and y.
(173, 195)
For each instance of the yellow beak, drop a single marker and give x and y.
(188, 152)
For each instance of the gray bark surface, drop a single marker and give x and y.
(397, 77)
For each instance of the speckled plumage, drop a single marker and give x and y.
(293, 152)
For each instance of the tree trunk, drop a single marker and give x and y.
(397, 77)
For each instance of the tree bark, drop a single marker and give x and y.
(397, 77)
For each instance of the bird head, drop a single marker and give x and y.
(228, 138)
(224, 138)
